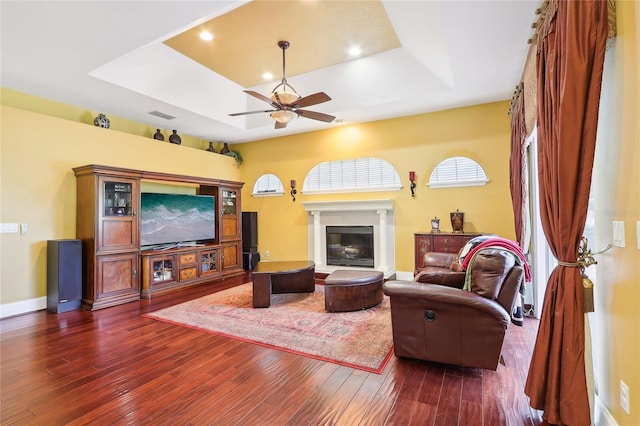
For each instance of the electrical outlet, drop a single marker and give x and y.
(266, 253)
(624, 396)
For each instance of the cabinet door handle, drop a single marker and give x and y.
(135, 271)
(133, 213)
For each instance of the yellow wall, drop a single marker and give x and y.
(31, 103)
(37, 185)
(415, 143)
(618, 199)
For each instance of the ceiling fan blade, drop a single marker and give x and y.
(250, 112)
(280, 125)
(316, 98)
(315, 115)
(261, 97)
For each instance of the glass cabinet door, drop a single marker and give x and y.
(163, 270)
(209, 261)
(228, 202)
(117, 199)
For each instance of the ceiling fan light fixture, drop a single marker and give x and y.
(284, 116)
(286, 97)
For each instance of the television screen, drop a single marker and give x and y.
(176, 218)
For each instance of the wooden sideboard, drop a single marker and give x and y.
(438, 241)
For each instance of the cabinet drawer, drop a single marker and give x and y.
(188, 273)
(450, 243)
(446, 248)
(187, 258)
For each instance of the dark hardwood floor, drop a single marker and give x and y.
(114, 366)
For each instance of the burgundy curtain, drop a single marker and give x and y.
(517, 180)
(571, 46)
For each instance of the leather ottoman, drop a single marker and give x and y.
(346, 290)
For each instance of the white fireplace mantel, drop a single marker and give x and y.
(350, 205)
(376, 213)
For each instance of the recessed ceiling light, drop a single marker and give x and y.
(206, 35)
(267, 76)
(355, 51)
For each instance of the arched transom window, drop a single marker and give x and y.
(354, 175)
(457, 171)
(267, 185)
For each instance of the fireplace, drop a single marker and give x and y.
(376, 216)
(350, 246)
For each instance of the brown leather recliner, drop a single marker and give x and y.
(437, 270)
(435, 322)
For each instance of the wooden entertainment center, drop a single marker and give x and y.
(108, 223)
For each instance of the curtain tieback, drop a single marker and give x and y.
(570, 264)
(585, 259)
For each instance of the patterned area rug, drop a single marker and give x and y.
(295, 322)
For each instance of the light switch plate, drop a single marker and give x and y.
(8, 228)
(618, 234)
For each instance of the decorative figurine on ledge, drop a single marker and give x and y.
(457, 221)
(102, 121)
(435, 225)
(158, 135)
(175, 137)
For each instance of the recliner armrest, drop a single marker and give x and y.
(443, 295)
(439, 259)
(430, 275)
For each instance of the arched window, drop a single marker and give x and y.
(355, 175)
(456, 172)
(267, 185)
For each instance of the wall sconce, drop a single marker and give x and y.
(293, 189)
(412, 178)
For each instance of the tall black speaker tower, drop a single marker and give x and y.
(250, 232)
(64, 275)
(250, 255)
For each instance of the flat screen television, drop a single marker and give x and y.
(176, 219)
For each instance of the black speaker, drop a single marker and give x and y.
(250, 260)
(250, 232)
(64, 275)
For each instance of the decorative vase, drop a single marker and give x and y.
(457, 221)
(211, 148)
(158, 135)
(225, 149)
(175, 138)
(101, 121)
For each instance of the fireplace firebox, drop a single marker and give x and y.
(350, 246)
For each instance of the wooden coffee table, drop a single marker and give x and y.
(297, 276)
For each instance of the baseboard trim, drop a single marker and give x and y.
(22, 307)
(602, 415)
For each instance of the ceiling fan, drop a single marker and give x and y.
(286, 101)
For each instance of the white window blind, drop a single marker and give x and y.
(354, 175)
(267, 184)
(457, 171)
